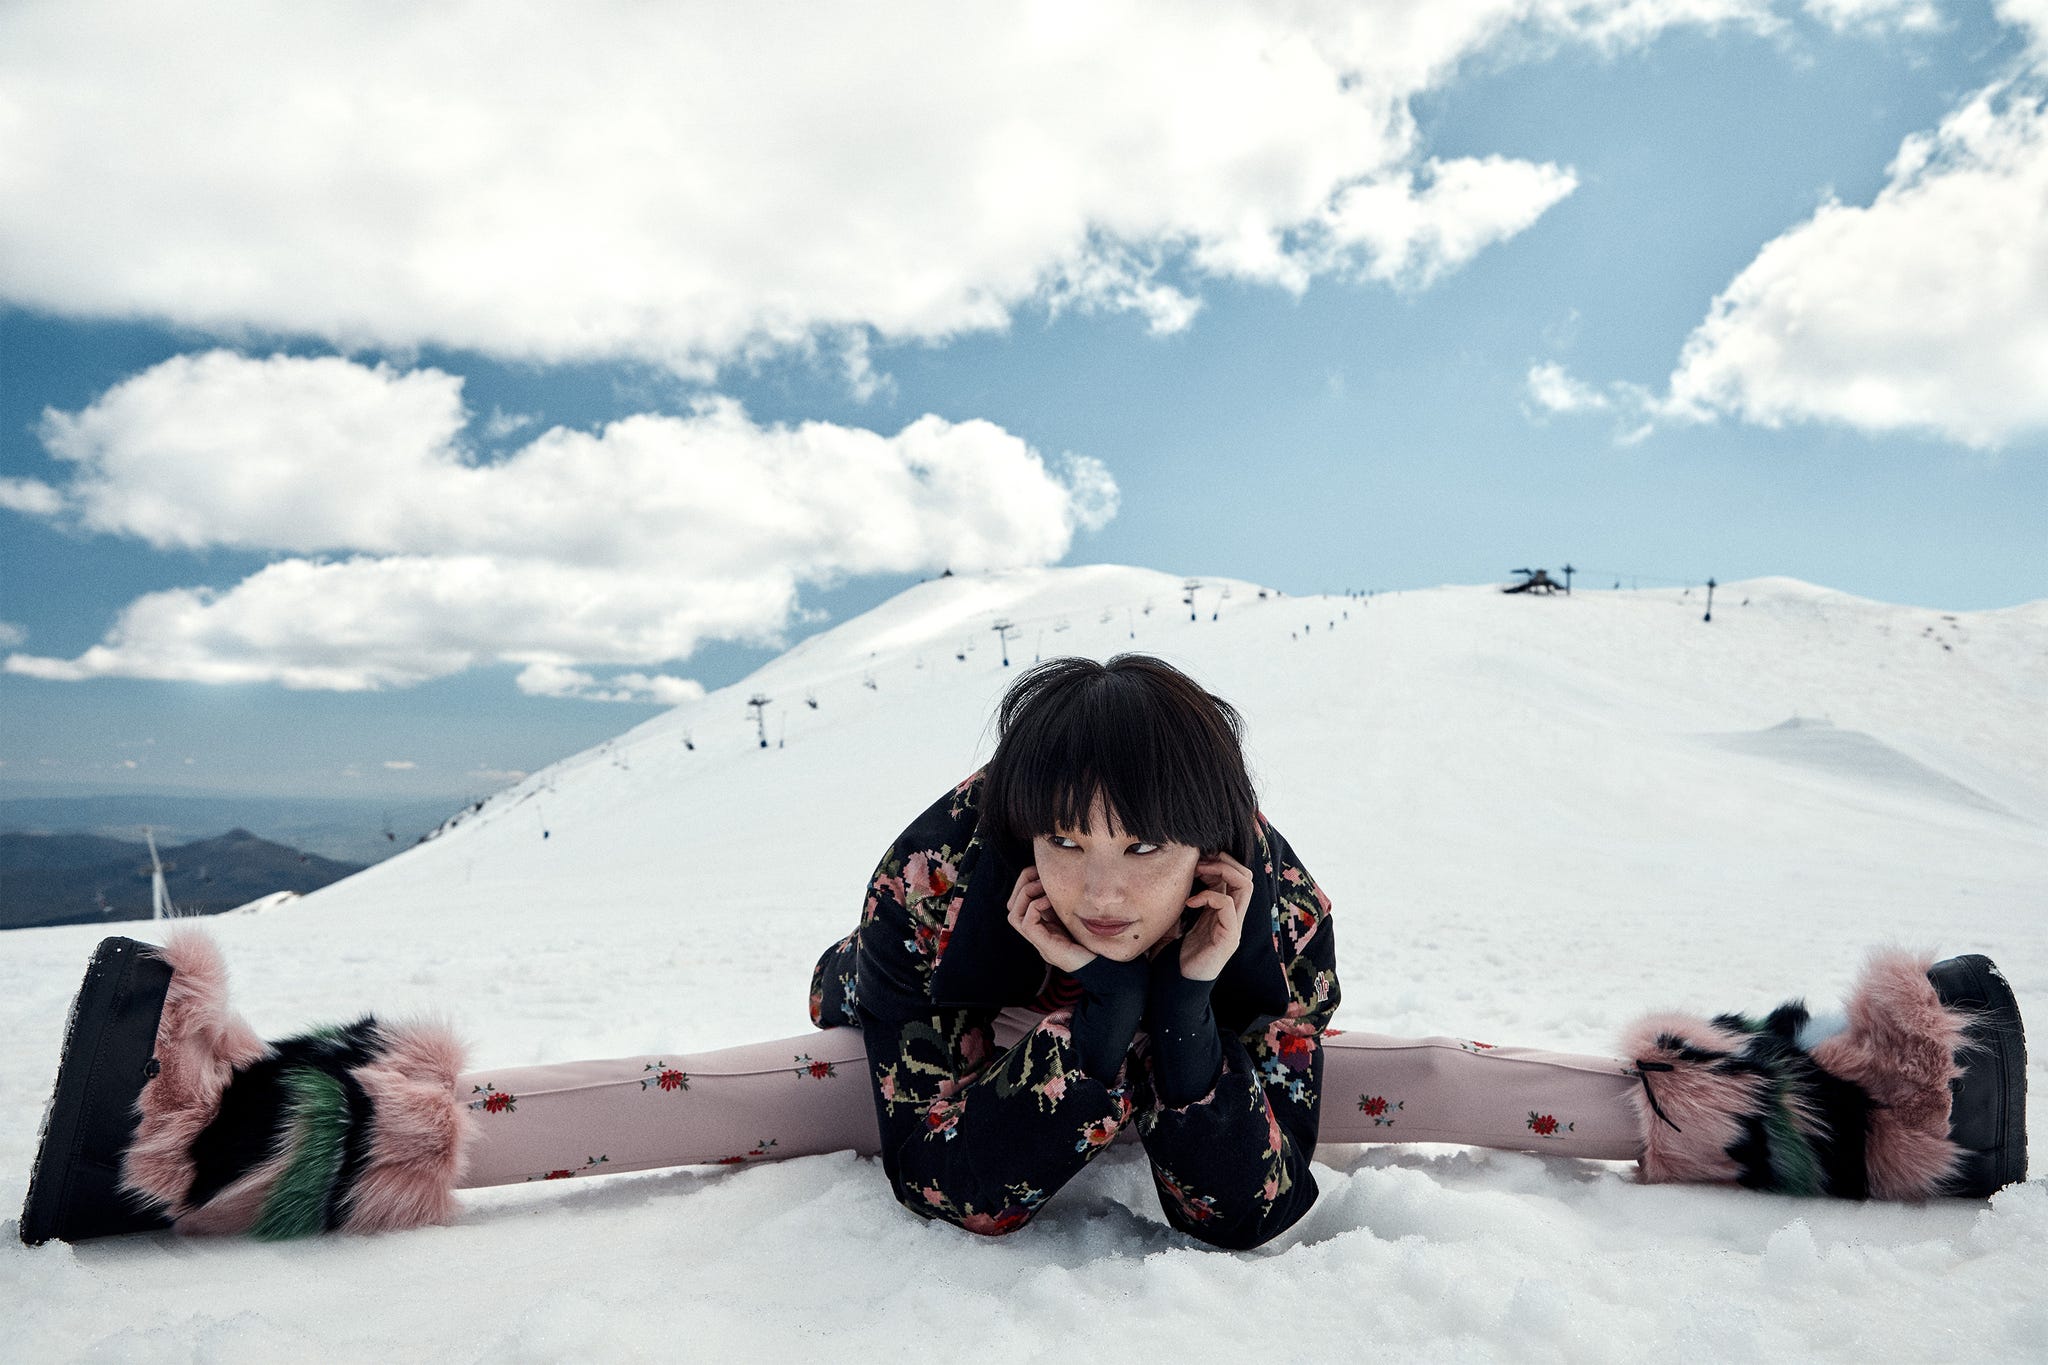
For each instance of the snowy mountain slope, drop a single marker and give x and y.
(1536, 817)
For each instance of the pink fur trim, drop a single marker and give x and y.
(1900, 1047)
(200, 1043)
(421, 1132)
(1707, 1107)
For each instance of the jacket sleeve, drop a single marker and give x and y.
(1232, 1168)
(969, 1134)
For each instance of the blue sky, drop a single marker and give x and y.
(1591, 282)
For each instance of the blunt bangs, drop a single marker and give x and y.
(1166, 756)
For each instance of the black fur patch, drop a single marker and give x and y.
(244, 1132)
(1771, 1052)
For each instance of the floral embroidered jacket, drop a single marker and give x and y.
(981, 1137)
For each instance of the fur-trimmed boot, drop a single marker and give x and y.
(1919, 1090)
(170, 1112)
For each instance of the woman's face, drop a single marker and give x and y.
(1117, 896)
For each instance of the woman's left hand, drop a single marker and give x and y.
(1227, 891)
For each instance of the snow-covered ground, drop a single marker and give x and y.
(1536, 818)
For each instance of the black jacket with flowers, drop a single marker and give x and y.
(981, 1137)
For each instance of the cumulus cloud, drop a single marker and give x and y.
(408, 558)
(1926, 310)
(501, 424)
(608, 179)
(1415, 228)
(1912, 16)
(32, 496)
(2030, 16)
(558, 680)
(1553, 390)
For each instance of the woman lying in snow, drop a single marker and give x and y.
(1095, 936)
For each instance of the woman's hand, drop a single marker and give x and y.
(1227, 893)
(1031, 915)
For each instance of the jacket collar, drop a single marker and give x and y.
(987, 964)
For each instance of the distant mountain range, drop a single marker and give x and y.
(89, 879)
(347, 829)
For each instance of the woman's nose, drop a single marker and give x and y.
(1105, 887)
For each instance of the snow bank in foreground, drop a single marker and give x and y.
(1535, 818)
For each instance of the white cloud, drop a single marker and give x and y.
(11, 633)
(558, 680)
(285, 453)
(410, 560)
(2030, 15)
(1926, 310)
(1412, 236)
(1553, 390)
(501, 424)
(1912, 16)
(31, 496)
(608, 179)
(400, 765)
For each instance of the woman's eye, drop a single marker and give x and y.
(1144, 848)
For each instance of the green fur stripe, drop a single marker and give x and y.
(317, 1116)
(1795, 1166)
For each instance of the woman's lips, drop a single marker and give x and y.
(1106, 928)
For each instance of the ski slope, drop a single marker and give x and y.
(1536, 817)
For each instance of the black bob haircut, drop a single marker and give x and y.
(1165, 755)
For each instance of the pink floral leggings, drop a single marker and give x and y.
(809, 1094)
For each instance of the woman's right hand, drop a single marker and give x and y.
(1031, 915)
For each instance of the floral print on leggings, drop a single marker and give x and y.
(982, 1137)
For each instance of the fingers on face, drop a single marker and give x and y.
(1227, 869)
(1028, 889)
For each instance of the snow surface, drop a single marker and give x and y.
(1536, 818)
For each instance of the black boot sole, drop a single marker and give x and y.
(1988, 1102)
(75, 1192)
